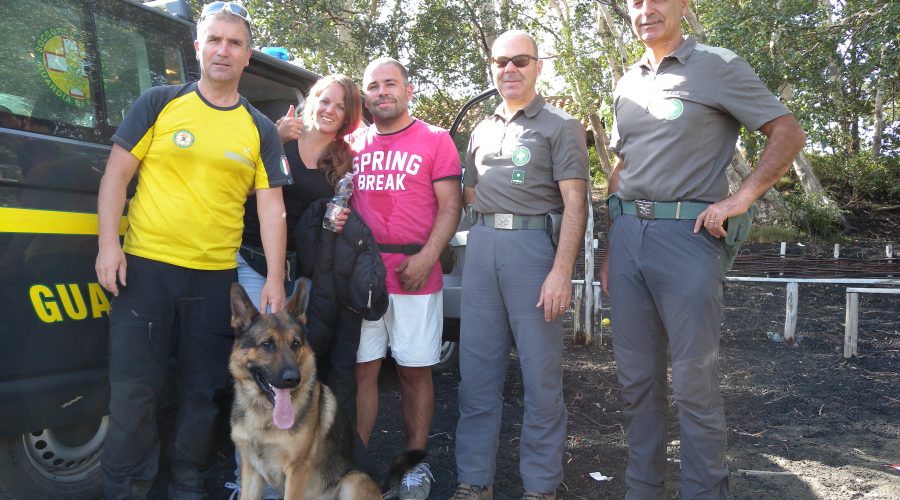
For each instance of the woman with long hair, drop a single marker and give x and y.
(318, 156)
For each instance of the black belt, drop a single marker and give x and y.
(407, 249)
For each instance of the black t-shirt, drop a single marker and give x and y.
(309, 185)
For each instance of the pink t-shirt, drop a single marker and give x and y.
(393, 189)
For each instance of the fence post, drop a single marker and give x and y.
(790, 315)
(584, 317)
(851, 324)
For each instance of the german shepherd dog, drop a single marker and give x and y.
(285, 423)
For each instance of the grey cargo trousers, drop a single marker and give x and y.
(502, 279)
(665, 285)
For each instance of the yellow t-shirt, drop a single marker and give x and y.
(198, 164)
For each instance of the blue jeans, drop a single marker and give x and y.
(253, 282)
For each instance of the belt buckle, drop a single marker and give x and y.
(503, 221)
(645, 209)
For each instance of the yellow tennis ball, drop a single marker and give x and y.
(605, 322)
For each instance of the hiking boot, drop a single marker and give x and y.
(473, 492)
(416, 484)
(531, 495)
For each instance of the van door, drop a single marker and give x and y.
(69, 71)
(471, 113)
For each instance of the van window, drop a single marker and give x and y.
(133, 59)
(50, 66)
(46, 63)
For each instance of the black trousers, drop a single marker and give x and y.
(335, 351)
(165, 310)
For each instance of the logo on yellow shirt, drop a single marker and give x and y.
(183, 138)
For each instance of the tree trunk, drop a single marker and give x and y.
(771, 205)
(695, 25)
(615, 54)
(601, 142)
(878, 119)
(805, 173)
(833, 76)
(807, 176)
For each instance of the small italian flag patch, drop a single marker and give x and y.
(285, 169)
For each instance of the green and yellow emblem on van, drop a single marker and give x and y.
(183, 138)
(60, 58)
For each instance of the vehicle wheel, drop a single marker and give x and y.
(449, 353)
(54, 463)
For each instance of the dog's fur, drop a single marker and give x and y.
(309, 455)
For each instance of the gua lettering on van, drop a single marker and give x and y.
(67, 301)
(385, 170)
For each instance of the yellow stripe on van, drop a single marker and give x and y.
(25, 220)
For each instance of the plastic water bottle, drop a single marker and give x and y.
(339, 201)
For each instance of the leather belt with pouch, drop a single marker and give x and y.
(737, 228)
(553, 222)
(649, 210)
(549, 222)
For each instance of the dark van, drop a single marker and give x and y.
(69, 71)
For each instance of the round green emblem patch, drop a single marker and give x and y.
(183, 138)
(676, 107)
(521, 155)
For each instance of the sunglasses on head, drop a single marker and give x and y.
(520, 60)
(231, 7)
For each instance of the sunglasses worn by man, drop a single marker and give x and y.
(234, 8)
(520, 61)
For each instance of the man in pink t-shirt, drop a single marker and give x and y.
(407, 189)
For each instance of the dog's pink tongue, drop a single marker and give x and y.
(283, 413)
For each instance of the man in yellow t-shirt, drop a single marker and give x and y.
(199, 150)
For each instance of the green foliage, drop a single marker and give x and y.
(773, 234)
(443, 57)
(832, 55)
(598, 177)
(827, 58)
(809, 214)
(858, 177)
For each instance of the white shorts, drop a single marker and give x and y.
(412, 327)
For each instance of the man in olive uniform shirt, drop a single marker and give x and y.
(678, 112)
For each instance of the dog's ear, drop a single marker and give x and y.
(296, 307)
(243, 312)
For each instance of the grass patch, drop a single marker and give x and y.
(773, 234)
